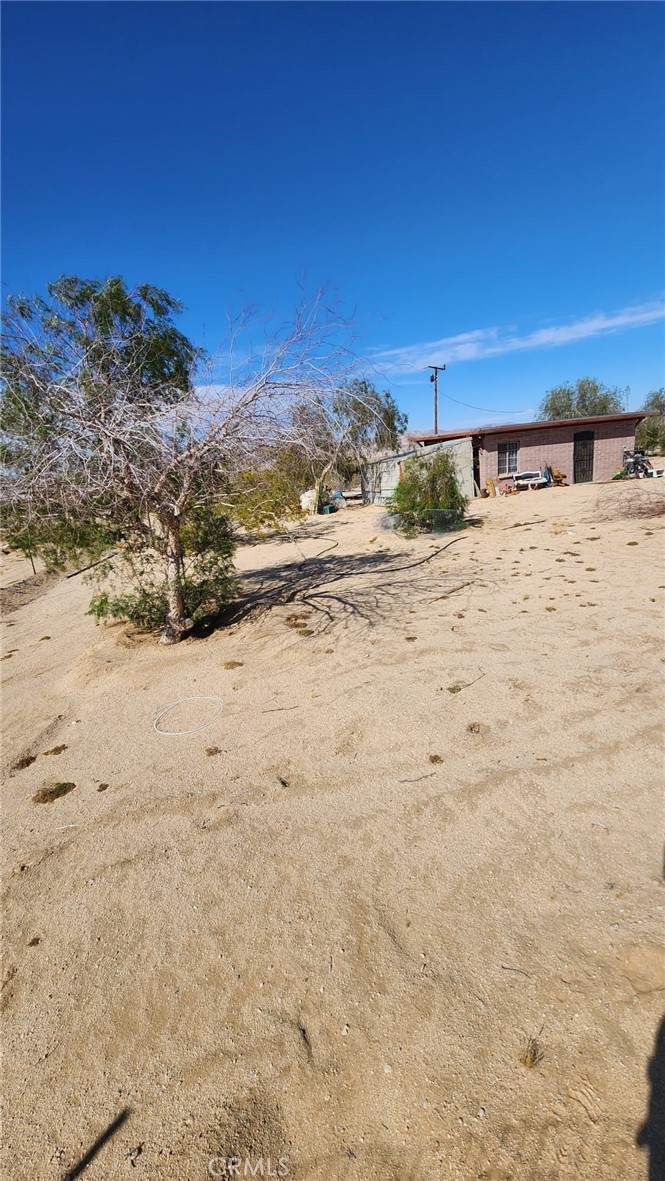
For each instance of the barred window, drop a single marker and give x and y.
(508, 457)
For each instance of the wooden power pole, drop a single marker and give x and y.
(435, 378)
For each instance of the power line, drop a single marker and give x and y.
(485, 409)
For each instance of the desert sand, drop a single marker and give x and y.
(424, 827)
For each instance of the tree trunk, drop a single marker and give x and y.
(317, 494)
(177, 623)
(318, 484)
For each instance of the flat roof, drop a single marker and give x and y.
(395, 455)
(514, 427)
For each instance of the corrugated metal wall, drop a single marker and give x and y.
(381, 477)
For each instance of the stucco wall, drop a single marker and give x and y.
(380, 478)
(554, 445)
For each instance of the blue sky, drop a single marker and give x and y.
(482, 183)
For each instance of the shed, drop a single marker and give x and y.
(380, 477)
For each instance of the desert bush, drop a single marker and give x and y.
(429, 495)
(132, 584)
(262, 500)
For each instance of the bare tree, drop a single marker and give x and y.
(114, 430)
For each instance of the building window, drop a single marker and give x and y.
(508, 456)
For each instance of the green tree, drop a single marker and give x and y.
(584, 398)
(376, 422)
(114, 435)
(332, 443)
(650, 434)
(429, 494)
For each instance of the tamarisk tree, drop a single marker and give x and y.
(583, 399)
(117, 433)
(356, 425)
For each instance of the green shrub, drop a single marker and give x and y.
(137, 589)
(429, 495)
(262, 500)
(59, 542)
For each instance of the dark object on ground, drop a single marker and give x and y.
(99, 1143)
(46, 795)
(26, 761)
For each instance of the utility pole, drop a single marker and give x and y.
(435, 378)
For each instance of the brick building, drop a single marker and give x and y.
(585, 449)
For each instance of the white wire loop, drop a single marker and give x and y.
(178, 733)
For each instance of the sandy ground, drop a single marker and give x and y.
(423, 828)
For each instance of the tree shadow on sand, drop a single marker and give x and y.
(302, 531)
(652, 1133)
(337, 589)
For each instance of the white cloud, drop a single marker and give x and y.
(493, 342)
